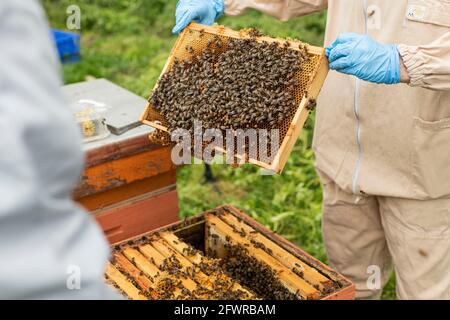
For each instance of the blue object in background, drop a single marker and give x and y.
(68, 44)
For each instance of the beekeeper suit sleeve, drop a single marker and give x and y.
(429, 65)
(49, 247)
(281, 9)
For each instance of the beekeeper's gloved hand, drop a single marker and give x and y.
(361, 56)
(202, 11)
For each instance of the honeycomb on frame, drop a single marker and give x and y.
(310, 80)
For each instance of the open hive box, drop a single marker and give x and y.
(310, 80)
(220, 254)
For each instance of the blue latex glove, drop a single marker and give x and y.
(202, 11)
(361, 56)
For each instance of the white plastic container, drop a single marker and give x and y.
(90, 118)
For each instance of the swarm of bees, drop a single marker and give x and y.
(206, 277)
(252, 273)
(232, 84)
(159, 137)
(229, 258)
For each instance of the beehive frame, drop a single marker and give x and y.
(139, 260)
(311, 81)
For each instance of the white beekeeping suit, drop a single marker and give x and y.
(48, 245)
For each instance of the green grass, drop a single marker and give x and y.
(128, 42)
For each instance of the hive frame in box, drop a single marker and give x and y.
(188, 228)
(310, 92)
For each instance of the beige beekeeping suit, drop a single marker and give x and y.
(383, 152)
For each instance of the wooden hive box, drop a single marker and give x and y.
(311, 79)
(222, 248)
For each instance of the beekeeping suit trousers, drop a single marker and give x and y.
(49, 247)
(383, 152)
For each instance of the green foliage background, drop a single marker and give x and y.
(128, 42)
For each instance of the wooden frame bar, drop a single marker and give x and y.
(144, 282)
(227, 234)
(122, 282)
(312, 276)
(167, 252)
(180, 247)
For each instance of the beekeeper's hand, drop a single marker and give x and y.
(361, 56)
(202, 11)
